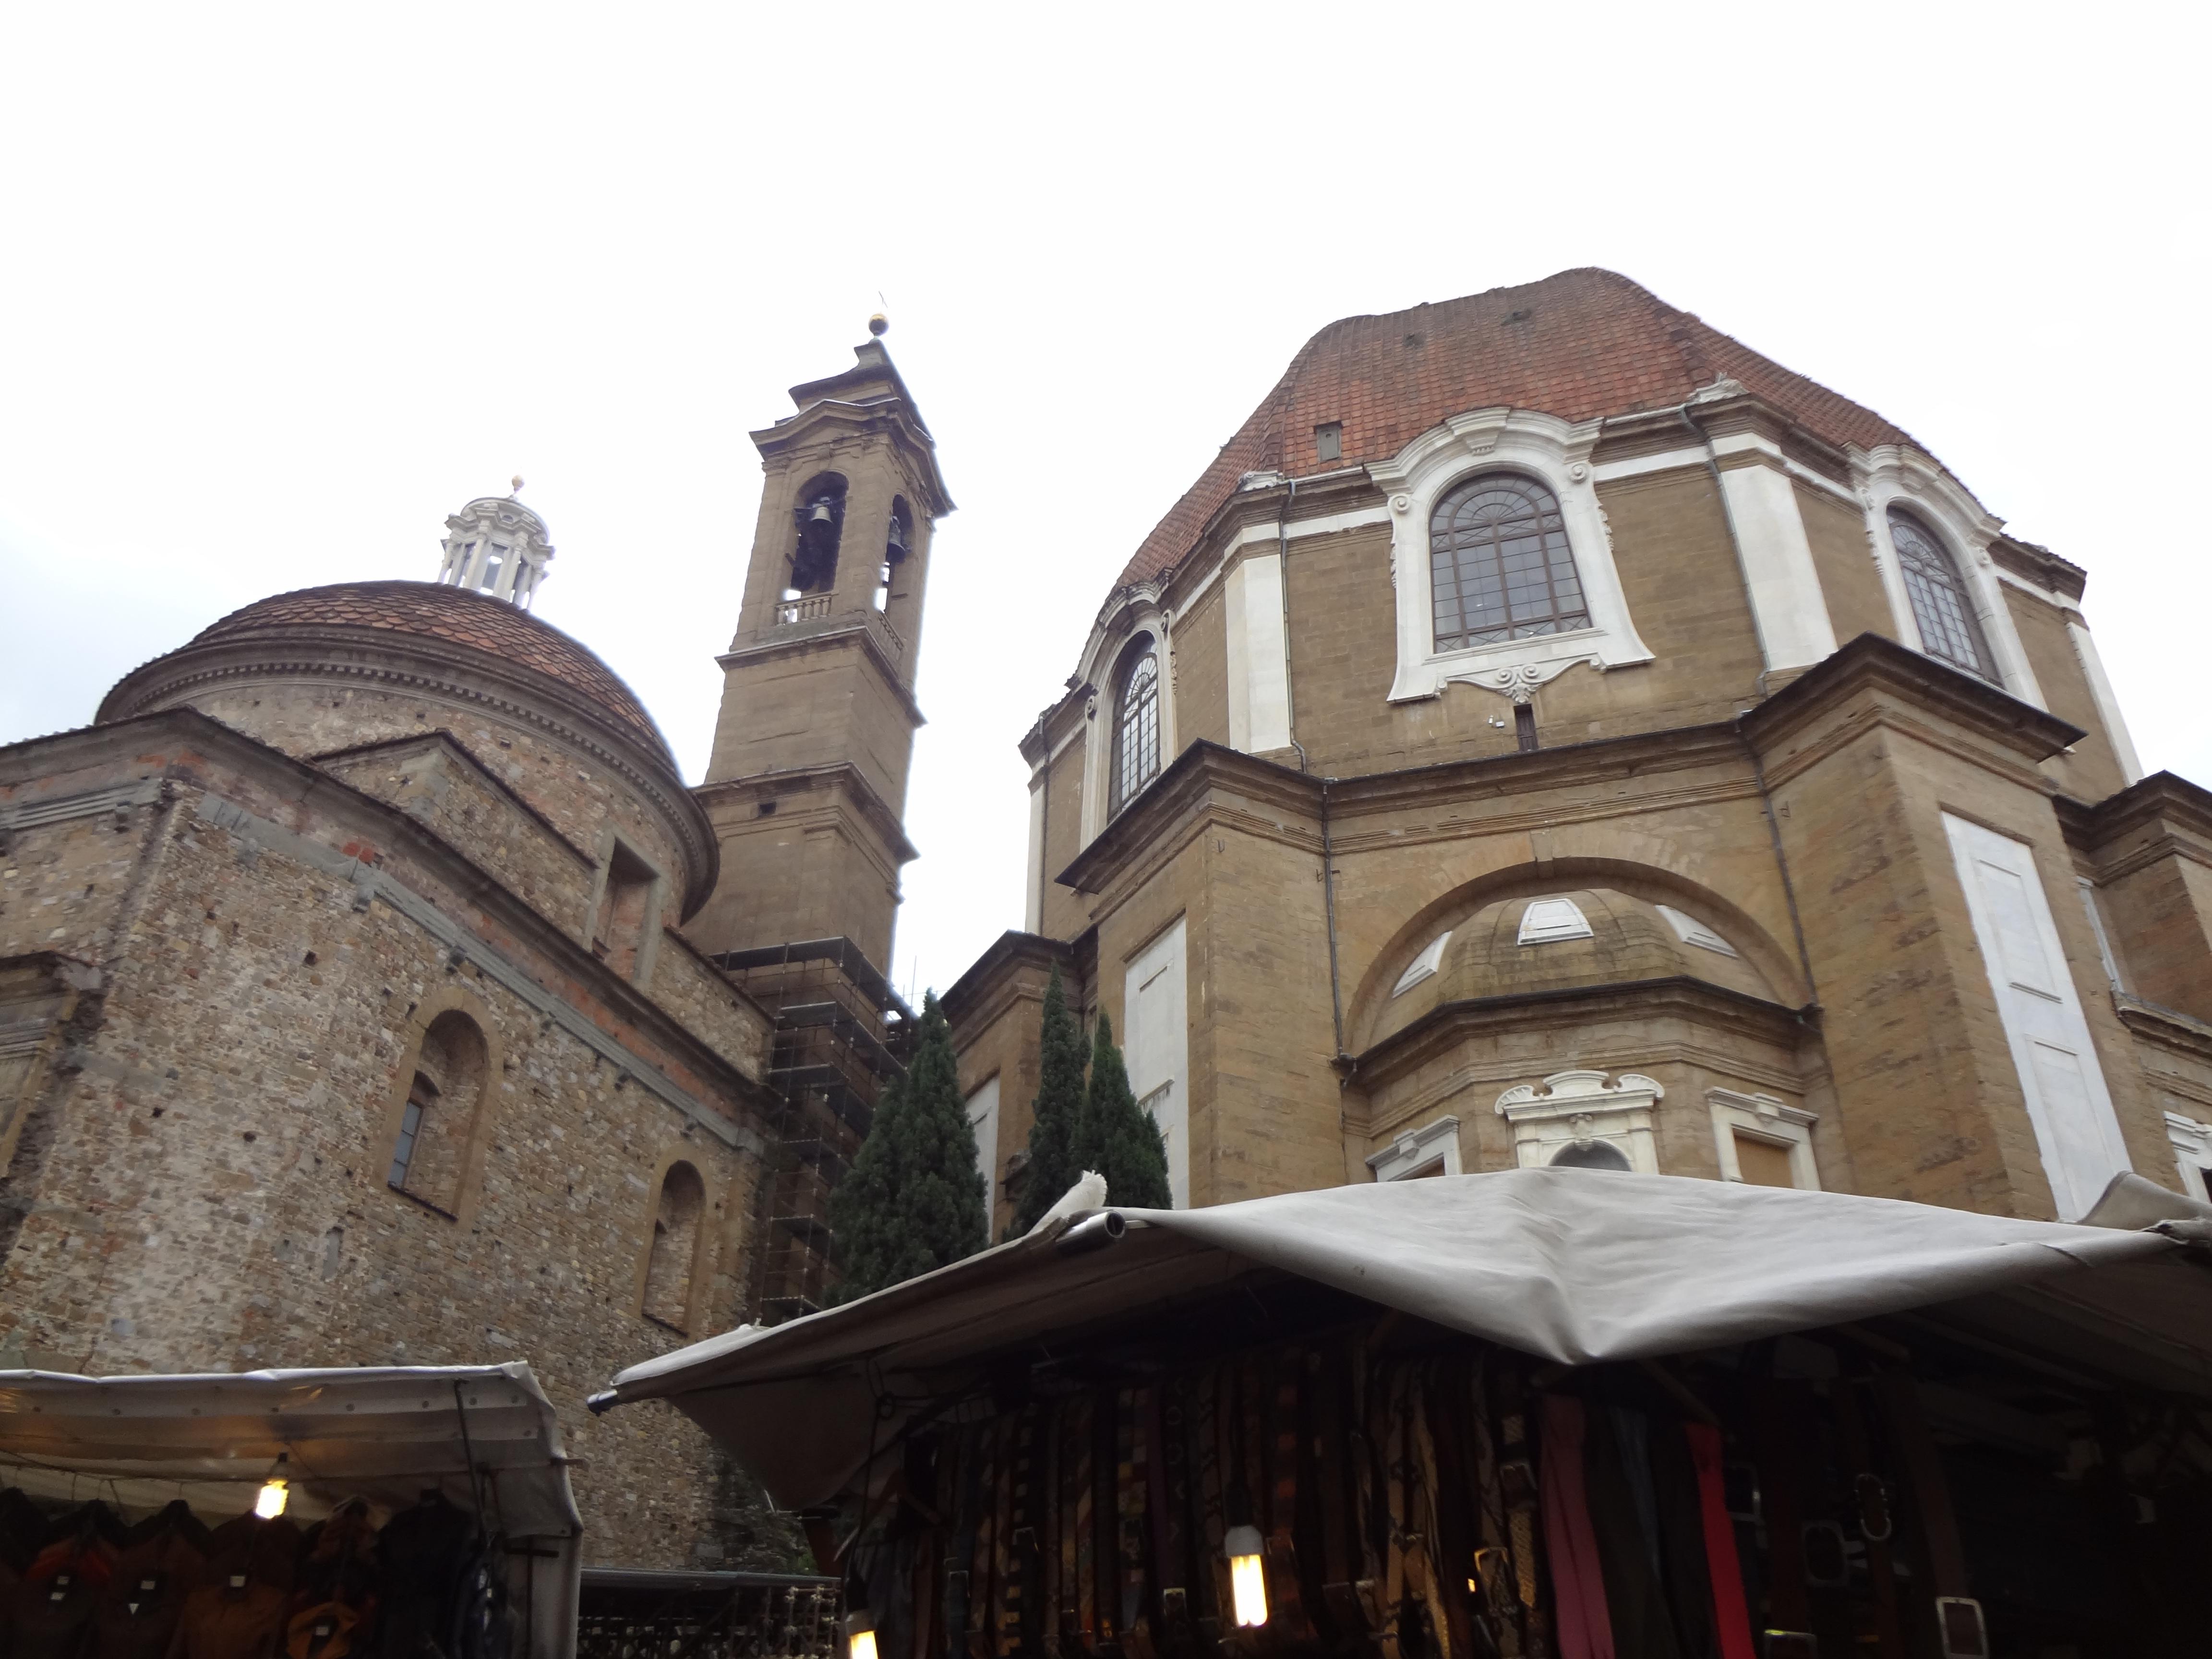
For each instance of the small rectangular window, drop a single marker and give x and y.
(618, 933)
(402, 1155)
(1524, 726)
(1328, 441)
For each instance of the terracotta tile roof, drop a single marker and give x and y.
(1580, 345)
(457, 616)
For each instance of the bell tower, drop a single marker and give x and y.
(806, 786)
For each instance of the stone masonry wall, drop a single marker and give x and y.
(202, 1186)
(580, 794)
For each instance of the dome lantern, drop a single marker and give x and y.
(498, 546)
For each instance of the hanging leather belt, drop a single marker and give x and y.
(1215, 1383)
(1171, 1497)
(1286, 1608)
(1069, 1467)
(992, 1629)
(1018, 1621)
(1493, 1557)
(1045, 1604)
(1517, 1493)
(1129, 1491)
(1339, 1498)
(1877, 1526)
(1422, 1521)
(1085, 1434)
(963, 1478)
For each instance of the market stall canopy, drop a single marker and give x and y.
(1578, 1266)
(387, 1435)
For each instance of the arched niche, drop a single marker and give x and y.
(439, 1119)
(676, 1261)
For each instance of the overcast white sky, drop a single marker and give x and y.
(280, 287)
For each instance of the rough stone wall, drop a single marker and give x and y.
(202, 1185)
(439, 784)
(580, 794)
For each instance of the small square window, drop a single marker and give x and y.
(1424, 966)
(1328, 441)
(1549, 918)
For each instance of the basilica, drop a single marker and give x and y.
(1549, 732)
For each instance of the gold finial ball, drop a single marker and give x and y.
(517, 490)
(880, 325)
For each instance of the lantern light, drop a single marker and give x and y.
(1248, 1581)
(269, 1502)
(860, 1636)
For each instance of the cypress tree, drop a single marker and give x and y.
(1053, 1166)
(1116, 1137)
(915, 1200)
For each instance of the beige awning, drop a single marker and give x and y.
(385, 1434)
(1575, 1266)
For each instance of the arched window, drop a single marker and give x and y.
(1949, 630)
(1499, 565)
(1136, 723)
(820, 520)
(432, 1146)
(676, 1219)
(898, 542)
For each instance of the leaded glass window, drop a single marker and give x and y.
(1499, 565)
(1949, 629)
(1136, 724)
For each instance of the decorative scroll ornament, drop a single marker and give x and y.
(1520, 681)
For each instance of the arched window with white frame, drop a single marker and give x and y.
(1942, 605)
(1500, 567)
(1136, 757)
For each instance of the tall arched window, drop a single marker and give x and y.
(1499, 565)
(1136, 722)
(1941, 604)
(432, 1148)
(676, 1220)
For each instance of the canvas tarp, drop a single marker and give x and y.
(386, 1434)
(1575, 1266)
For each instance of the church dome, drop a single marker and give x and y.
(1581, 345)
(1575, 938)
(333, 670)
(457, 617)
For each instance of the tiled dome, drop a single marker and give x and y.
(457, 617)
(1579, 345)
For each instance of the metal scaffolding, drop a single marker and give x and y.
(841, 1034)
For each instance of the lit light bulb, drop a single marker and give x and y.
(1247, 1580)
(270, 1503)
(860, 1637)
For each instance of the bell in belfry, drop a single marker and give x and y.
(814, 568)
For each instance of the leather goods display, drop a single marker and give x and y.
(425, 1584)
(1410, 1495)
